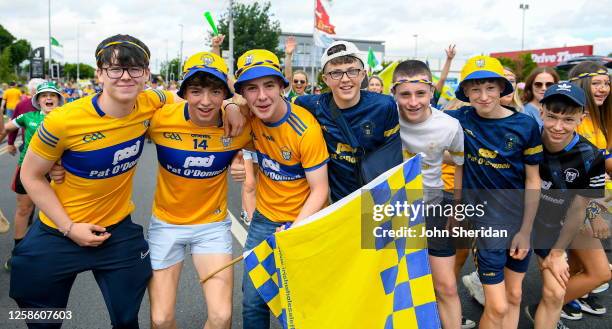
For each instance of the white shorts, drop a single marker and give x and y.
(168, 242)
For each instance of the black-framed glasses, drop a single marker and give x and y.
(351, 73)
(116, 72)
(301, 82)
(542, 84)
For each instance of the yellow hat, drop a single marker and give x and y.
(205, 62)
(482, 67)
(255, 64)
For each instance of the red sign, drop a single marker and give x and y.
(550, 56)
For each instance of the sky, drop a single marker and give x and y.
(475, 26)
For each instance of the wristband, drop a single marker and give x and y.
(225, 107)
(65, 233)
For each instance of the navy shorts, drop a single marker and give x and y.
(490, 264)
(45, 264)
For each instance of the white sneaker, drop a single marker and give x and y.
(474, 287)
(4, 223)
(601, 288)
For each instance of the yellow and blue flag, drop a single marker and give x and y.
(329, 271)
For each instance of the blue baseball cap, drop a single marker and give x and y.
(567, 90)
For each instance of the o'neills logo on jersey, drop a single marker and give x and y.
(126, 153)
(199, 161)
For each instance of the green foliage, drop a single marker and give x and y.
(85, 71)
(6, 38)
(522, 66)
(172, 68)
(19, 51)
(254, 28)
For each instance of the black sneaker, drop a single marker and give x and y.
(591, 305)
(571, 311)
(530, 311)
(467, 323)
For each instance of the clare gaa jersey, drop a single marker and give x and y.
(596, 137)
(99, 154)
(286, 150)
(192, 167)
(496, 152)
(577, 169)
(374, 122)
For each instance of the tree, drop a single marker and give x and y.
(522, 66)
(6, 38)
(172, 69)
(254, 28)
(85, 71)
(19, 51)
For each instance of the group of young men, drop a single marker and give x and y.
(304, 161)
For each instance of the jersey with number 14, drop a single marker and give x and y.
(286, 150)
(192, 167)
(99, 153)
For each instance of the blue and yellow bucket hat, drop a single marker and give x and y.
(482, 67)
(255, 64)
(206, 62)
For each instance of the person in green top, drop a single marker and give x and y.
(46, 99)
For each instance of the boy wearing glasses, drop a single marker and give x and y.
(372, 117)
(85, 222)
(572, 173)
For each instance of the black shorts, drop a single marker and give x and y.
(16, 186)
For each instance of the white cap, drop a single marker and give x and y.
(345, 48)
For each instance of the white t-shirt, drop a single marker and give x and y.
(431, 138)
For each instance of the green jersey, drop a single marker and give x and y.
(29, 122)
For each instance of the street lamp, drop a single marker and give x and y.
(523, 7)
(178, 74)
(78, 75)
(416, 49)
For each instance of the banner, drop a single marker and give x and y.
(550, 56)
(318, 274)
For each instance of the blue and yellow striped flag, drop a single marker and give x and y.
(330, 272)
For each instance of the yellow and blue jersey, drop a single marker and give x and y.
(286, 150)
(496, 153)
(99, 154)
(192, 167)
(595, 136)
(374, 121)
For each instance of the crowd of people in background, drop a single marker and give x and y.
(547, 124)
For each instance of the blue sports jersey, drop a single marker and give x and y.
(496, 152)
(374, 122)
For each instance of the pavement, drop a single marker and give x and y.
(88, 307)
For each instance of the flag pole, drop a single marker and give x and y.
(49, 68)
(230, 264)
(314, 47)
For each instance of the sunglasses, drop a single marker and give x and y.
(299, 82)
(541, 84)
